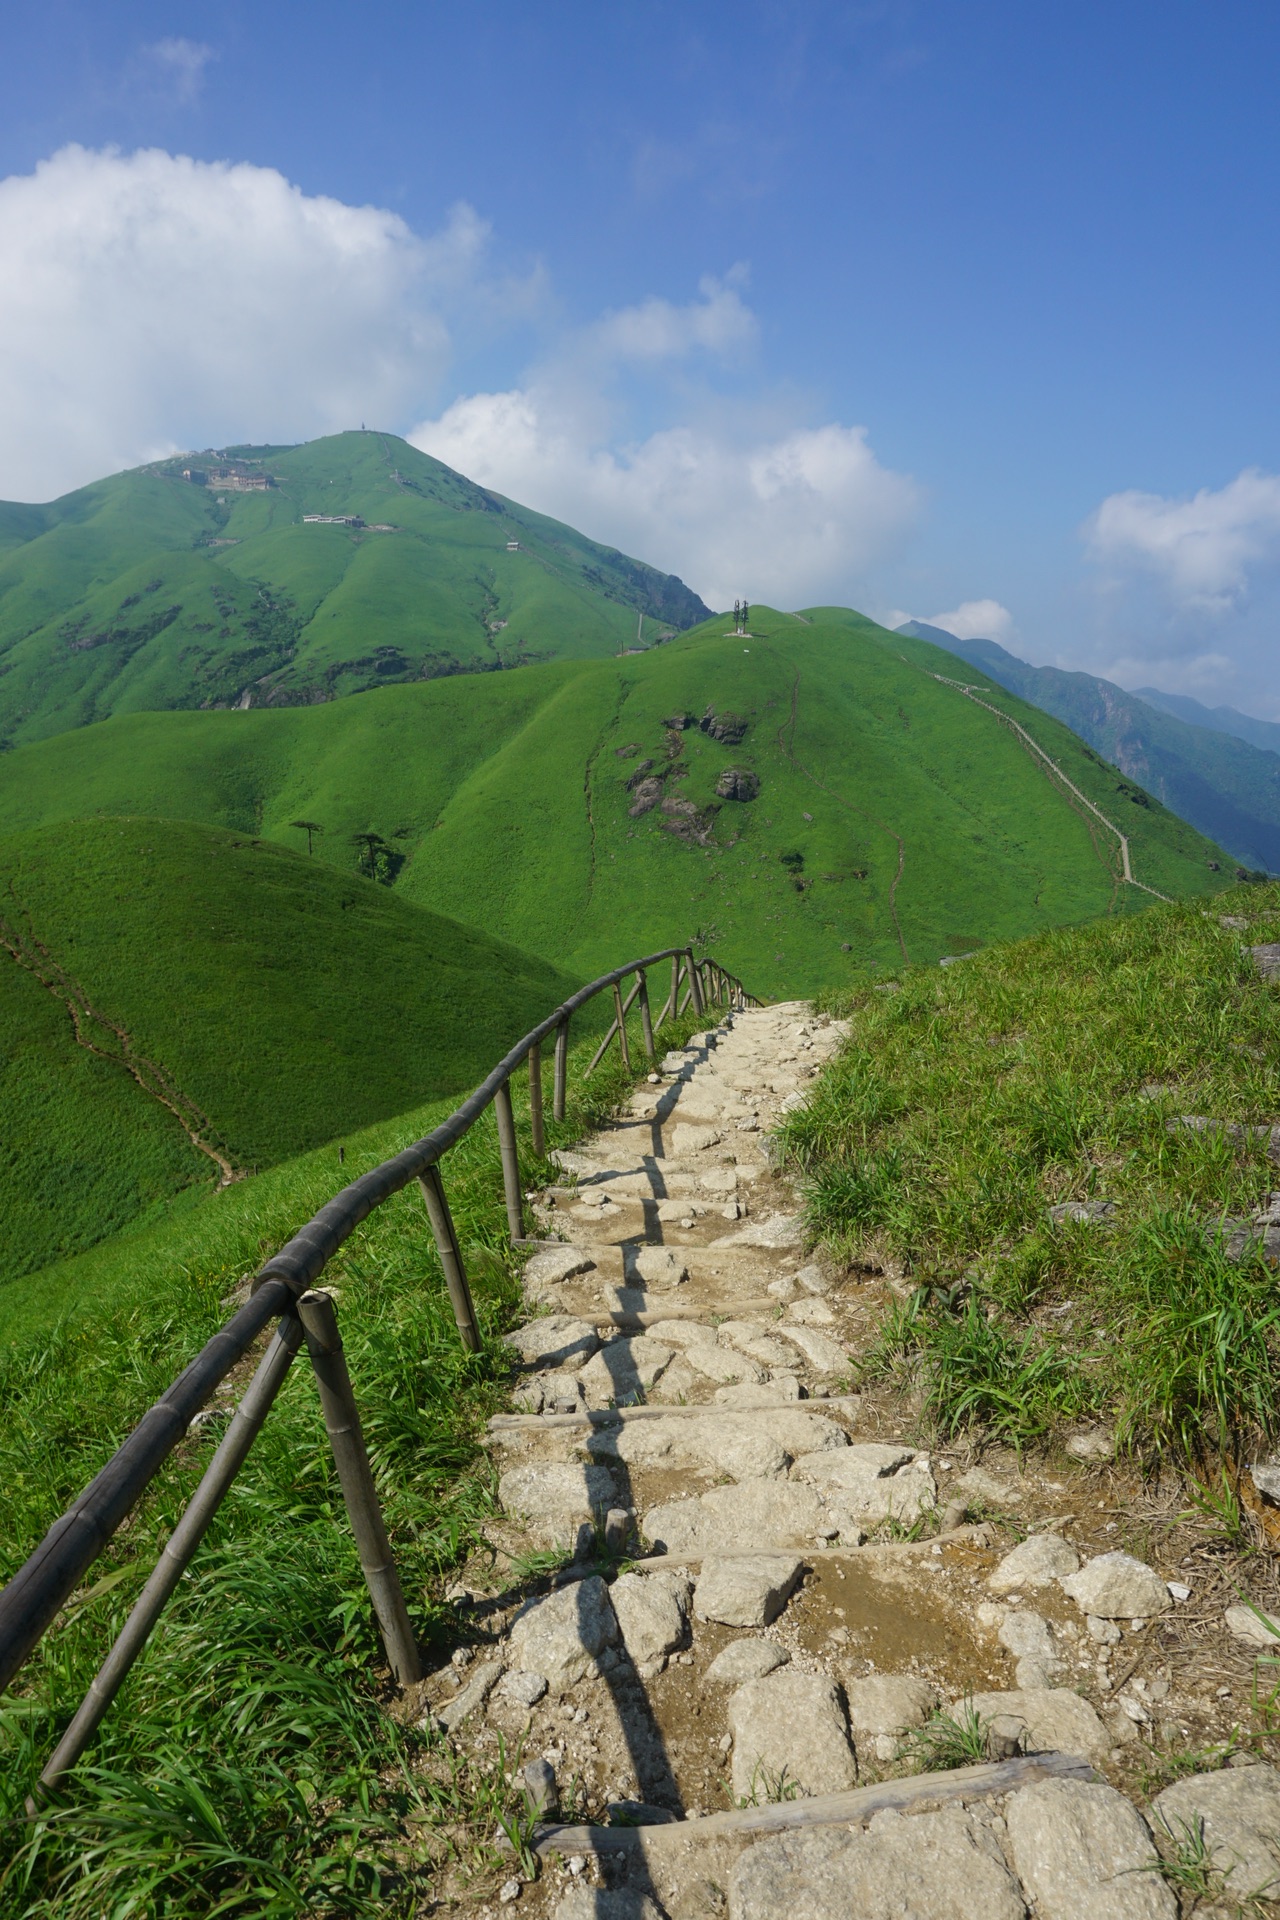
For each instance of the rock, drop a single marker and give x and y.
(746, 1592)
(521, 1687)
(1098, 1444)
(1266, 960)
(1239, 1814)
(737, 784)
(822, 1352)
(813, 1279)
(883, 1706)
(484, 1678)
(622, 1370)
(768, 1513)
(811, 1313)
(681, 1333)
(747, 1660)
(655, 1267)
(652, 1611)
(1006, 1737)
(868, 1484)
(1029, 1638)
(601, 1903)
(789, 1731)
(556, 1341)
(1105, 1632)
(1084, 1853)
(981, 1488)
(1115, 1586)
(725, 1364)
(556, 1264)
(560, 1500)
(686, 1140)
(1266, 1478)
(748, 1338)
(721, 1180)
(1057, 1720)
(927, 1866)
(1088, 1212)
(1041, 1560)
(1244, 1623)
(778, 1390)
(780, 1230)
(562, 1635)
(802, 1432)
(542, 1792)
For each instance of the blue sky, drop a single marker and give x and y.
(948, 308)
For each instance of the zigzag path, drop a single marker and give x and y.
(732, 1721)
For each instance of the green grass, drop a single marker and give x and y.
(117, 599)
(285, 1002)
(968, 1102)
(507, 795)
(248, 1766)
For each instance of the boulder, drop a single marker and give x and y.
(1266, 960)
(746, 1591)
(555, 1264)
(1115, 1586)
(652, 1611)
(1057, 1720)
(735, 783)
(1238, 1812)
(867, 1484)
(929, 1866)
(560, 1500)
(1244, 1624)
(824, 1354)
(883, 1707)
(789, 1732)
(768, 1513)
(654, 1267)
(556, 1341)
(1041, 1560)
(1085, 1853)
(689, 1139)
(621, 1371)
(562, 1635)
(747, 1660)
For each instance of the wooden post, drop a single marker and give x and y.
(510, 1160)
(646, 1018)
(621, 1019)
(455, 1274)
(535, 1099)
(562, 1071)
(674, 999)
(695, 985)
(342, 1422)
(227, 1461)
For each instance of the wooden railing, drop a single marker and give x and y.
(284, 1291)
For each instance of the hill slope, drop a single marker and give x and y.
(179, 1004)
(1259, 733)
(151, 591)
(1227, 788)
(559, 807)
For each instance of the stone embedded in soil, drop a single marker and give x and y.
(1085, 1853)
(562, 1635)
(819, 1349)
(768, 1513)
(1099, 1443)
(977, 1485)
(937, 1866)
(556, 1341)
(555, 1264)
(813, 1279)
(1115, 1586)
(789, 1730)
(778, 1390)
(681, 1333)
(652, 1611)
(748, 1338)
(867, 1484)
(723, 1364)
(521, 1687)
(884, 1706)
(623, 1369)
(687, 1139)
(1245, 1625)
(654, 1267)
(1029, 1638)
(601, 1903)
(1041, 1560)
(746, 1591)
(1266, 1478)
(560, 1500)
(484, 1678)
(1057, 1720)
(780, 1230)
(1085, 1212)
(1238, 1812)
(810, 1313)
(744, 1660)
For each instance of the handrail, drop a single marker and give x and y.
(281, 1289)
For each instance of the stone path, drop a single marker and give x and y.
(727, 1727)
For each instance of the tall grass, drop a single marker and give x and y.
(247, 1766)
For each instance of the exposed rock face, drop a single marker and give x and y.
(561, 1636)
(789, 1732)
(1085, 1853)
(728, 728)
(1238, 1811)
(736, 783)
(749, 1591)
(1115, 1586)
(645, 797)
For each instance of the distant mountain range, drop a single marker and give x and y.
(1218, 768)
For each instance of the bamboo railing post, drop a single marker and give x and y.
(646, 1018)
(621, 1019)
(535, 1099)
(246, 1421)
(455, 1274)
(506, 1119)
(695, 985)
(562, 1071)
(674, 1002)
(342, 1422)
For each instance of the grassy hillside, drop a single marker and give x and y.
(892, 815)
(146, 591)
(1222, 784)
(179, 1004)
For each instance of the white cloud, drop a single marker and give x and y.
(1201, 548)
(152, 302)
(181, 63)
(975, 620)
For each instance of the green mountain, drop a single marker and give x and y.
(1259, 733)
(180, 1005)
(289, 575)
(810, 799)
(1213, 777)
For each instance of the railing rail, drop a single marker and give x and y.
(283, 1290)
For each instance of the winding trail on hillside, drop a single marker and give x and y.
(33, 955)
(787, 746)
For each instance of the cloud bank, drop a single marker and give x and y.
(1203, 548)
(975, 620)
